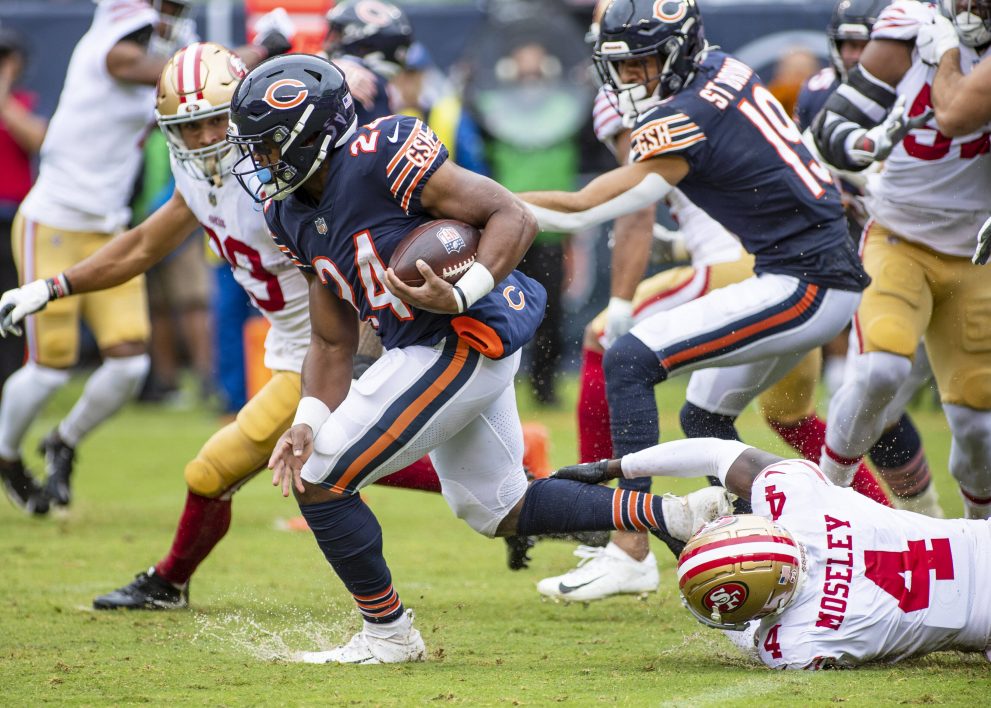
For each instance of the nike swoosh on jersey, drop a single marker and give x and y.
(395, 134)
(565, 589)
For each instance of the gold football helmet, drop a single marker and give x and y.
(737, 569)
(197, 84)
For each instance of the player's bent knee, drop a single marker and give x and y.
(699, 423)
(226, 461)
(881, 374)
(630, 362)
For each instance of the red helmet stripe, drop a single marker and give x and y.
(197, 57)
(177, 70)
(741, 558)
(736, 540)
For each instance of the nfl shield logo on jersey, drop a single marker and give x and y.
(321, 225)
(450, 239)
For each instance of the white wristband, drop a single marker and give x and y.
(312, 412)
(476, 283)
(619, 307)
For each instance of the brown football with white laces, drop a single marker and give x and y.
(446, 245)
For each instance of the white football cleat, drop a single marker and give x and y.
(602, 572)
(364, 648)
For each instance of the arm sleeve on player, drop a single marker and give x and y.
(695, 457)
(649, 191)
(856, 106)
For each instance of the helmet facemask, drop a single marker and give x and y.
(971, 18)
(279, 178)
(175, 28)
(211, 162)
(669, 66)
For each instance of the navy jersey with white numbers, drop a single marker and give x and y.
(370, 201)
(750, 171)
(813, 96)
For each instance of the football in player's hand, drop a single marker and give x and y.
(446, 245)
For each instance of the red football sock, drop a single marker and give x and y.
(594, 441)
(419, 475)
(866, 483)
(808, 436)
(203, 523)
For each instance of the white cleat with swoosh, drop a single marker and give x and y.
(602, 572)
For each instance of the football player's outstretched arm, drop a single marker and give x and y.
(623, 190)
(962, 103)
(507, 227)
(129, 61)
(326, 380)
(124, 257)
(735, 465)
(862, 120)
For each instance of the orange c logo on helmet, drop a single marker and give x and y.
(290, 102)
(673, 14)
(508, 292)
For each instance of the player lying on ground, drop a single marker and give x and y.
(832, 578)
(342, 198)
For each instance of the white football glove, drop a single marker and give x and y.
(935, 39)
(619, 319)
(983, 251)
(877, 143)
(668, 246)
(20, 302)
(275, 30)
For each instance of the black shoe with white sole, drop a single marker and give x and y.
(22, 489)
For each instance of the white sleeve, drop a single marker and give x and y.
(651, 190)
(694, 457)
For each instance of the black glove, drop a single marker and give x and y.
(588, 472)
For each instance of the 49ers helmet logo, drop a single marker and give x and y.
(726, 597)
(287, 99)
(670, 10)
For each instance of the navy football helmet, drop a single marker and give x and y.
(851, 20)
(373, 30)
(668, 32)
(286, 115)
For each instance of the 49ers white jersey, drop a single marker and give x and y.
(237, 233)
(933, 189)
(706, 240)
(92, 150)
(879, 584)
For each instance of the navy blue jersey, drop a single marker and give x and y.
(370, 201)
(750, 171)
(813, 96)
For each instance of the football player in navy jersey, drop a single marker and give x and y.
(340, 199)
(704, 121)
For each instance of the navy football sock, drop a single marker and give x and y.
(351, 539)
(632, 371)
(564, 506)
(900, 459)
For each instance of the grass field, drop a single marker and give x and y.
(265, 594)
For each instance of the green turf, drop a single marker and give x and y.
(265, 594)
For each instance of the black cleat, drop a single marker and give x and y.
(146, 592)
(22, 489)
(517, 551)
(59, 458)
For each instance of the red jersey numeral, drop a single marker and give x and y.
(771, 645)
(941, 145)
(250, 260)
(888, 570)
(776, 500)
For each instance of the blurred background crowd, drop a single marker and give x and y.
(508, 86)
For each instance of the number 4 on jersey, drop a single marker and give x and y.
(905, 574)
